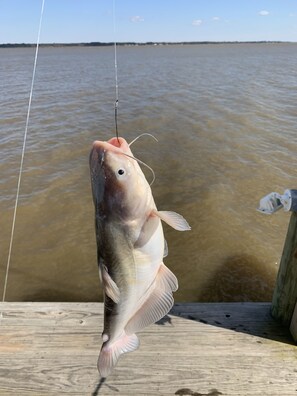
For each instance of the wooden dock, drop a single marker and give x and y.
(199, 349)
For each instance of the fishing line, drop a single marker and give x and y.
(22, 156)
(116, 74)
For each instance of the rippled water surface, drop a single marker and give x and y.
(225, 118)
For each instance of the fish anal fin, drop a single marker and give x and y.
(110, 287)
(175, 220)
(111, 351)
(157, 304)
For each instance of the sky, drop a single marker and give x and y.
(66, 21)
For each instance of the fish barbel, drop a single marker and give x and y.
(130, 247)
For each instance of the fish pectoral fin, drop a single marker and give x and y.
(175, 220)
(165, 254)
(147, 231)
(111, 351)
(110, 287)
(157, 304)
(100, 266)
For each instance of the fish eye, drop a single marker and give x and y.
(121, 171)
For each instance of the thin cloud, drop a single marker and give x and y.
(136, 19)
(264, 13)
(216, 18)
(197, 22)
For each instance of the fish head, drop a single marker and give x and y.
(118, 184)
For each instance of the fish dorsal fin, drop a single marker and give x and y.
(157, 304)
(110, 287)
(175, 220)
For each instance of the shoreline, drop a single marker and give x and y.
(149, 43)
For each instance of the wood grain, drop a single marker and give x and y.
(285, 292)
(199, 349)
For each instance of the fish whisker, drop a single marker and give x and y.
(142, 163)
(143, 134)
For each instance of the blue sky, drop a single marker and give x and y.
(150, 20)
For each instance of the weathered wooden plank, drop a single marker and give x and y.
(47, 314)
(285, 292)
(209, 349)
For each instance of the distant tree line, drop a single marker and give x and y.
(100, 44)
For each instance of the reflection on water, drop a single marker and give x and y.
(239, 278)
(225, 118)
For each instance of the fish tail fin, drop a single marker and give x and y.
(111, 351)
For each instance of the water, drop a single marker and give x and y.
(225, 118)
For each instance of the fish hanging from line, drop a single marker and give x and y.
(130, 244)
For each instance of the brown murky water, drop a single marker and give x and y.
(225, 118)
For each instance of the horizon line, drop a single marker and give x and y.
(135, 43)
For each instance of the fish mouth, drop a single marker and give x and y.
(117, 142)
(117, 145)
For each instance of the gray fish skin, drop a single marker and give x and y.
(130, 248)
